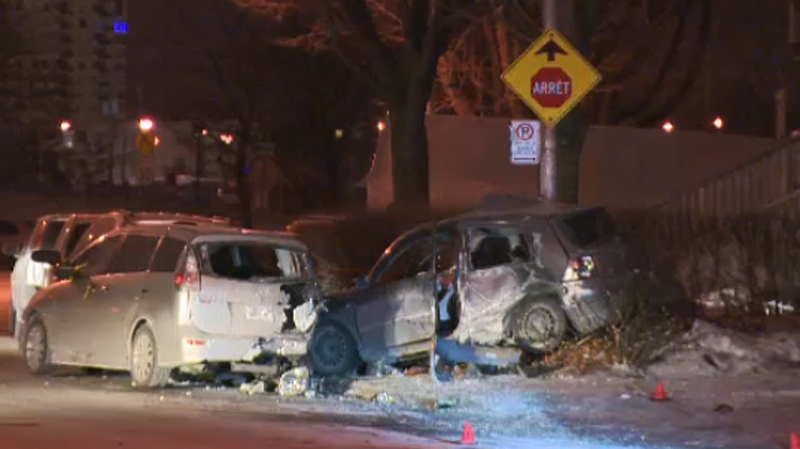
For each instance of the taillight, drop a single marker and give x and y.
(189, 277)
(579, 269)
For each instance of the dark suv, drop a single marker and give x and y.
(502, 276)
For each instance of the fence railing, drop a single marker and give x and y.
(770, 184)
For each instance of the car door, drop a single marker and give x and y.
(398, 309)
(76, 330)
(116, 296)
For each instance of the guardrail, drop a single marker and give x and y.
(770, 184)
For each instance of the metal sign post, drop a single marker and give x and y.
(551, 77)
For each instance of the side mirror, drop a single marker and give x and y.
(362, 282)
(46, 256)
(12, 249)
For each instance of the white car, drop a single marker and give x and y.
(58, 232)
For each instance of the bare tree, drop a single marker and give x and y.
(234, 63)
(394, 46)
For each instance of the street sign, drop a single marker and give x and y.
(551, 77)
(146, 143)
(526, 143)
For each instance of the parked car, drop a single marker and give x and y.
(13, 235)
(148, 298)
(119, 218)
(58, 232)
(518, 276)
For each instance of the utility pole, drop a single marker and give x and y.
(547, 169)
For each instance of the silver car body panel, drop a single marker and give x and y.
(91, 320)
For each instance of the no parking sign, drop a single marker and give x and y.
(526, 145)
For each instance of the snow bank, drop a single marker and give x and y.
(707, 350)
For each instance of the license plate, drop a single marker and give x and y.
(256, 312)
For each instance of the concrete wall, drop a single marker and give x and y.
(621, 168)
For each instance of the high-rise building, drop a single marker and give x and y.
(71, 64)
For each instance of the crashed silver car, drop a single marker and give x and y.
(149, 298)
(510, 277)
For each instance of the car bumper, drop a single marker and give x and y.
(197, 347)
(593, 304)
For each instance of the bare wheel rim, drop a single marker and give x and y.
(331, 347)
(35, 347)
(539, 324)
(143, 357)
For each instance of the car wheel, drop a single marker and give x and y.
(145, 372)
(540, 326)
(37, 350)
(333, 351)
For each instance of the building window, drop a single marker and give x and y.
(120, 27)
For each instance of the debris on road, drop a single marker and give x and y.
(253, 388)
(294, 382)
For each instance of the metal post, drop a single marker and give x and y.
(547, 169)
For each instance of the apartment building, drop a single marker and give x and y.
(71, 64)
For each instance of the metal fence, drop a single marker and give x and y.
(770, 184)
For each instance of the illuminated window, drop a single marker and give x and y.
(120, 27)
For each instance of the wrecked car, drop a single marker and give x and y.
(515, 277)
(151, 298)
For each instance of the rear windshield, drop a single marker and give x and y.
(253, 260)
(588, 227)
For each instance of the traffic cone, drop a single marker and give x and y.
(661, 393)
(795, 441)
(469, 434)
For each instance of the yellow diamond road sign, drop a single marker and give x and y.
(551, 77)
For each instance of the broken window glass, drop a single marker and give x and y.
(246, 260)
(493, 247)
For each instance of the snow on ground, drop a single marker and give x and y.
(707, 350)
(728, 390)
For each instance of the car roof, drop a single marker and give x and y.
(501, 209)
(157, 217)
(66, 216)
(210, 232)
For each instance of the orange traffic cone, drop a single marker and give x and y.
(661, 393)
(795, 441)
(469, 434)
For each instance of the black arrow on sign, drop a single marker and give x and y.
(551, 49)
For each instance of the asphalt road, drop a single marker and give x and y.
(75, 410)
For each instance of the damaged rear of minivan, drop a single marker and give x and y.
(245, 297)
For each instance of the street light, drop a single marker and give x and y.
(381, 126)
(718, 123)
(227, 138)
(146, 125)
(65, 126)
(668, 127)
